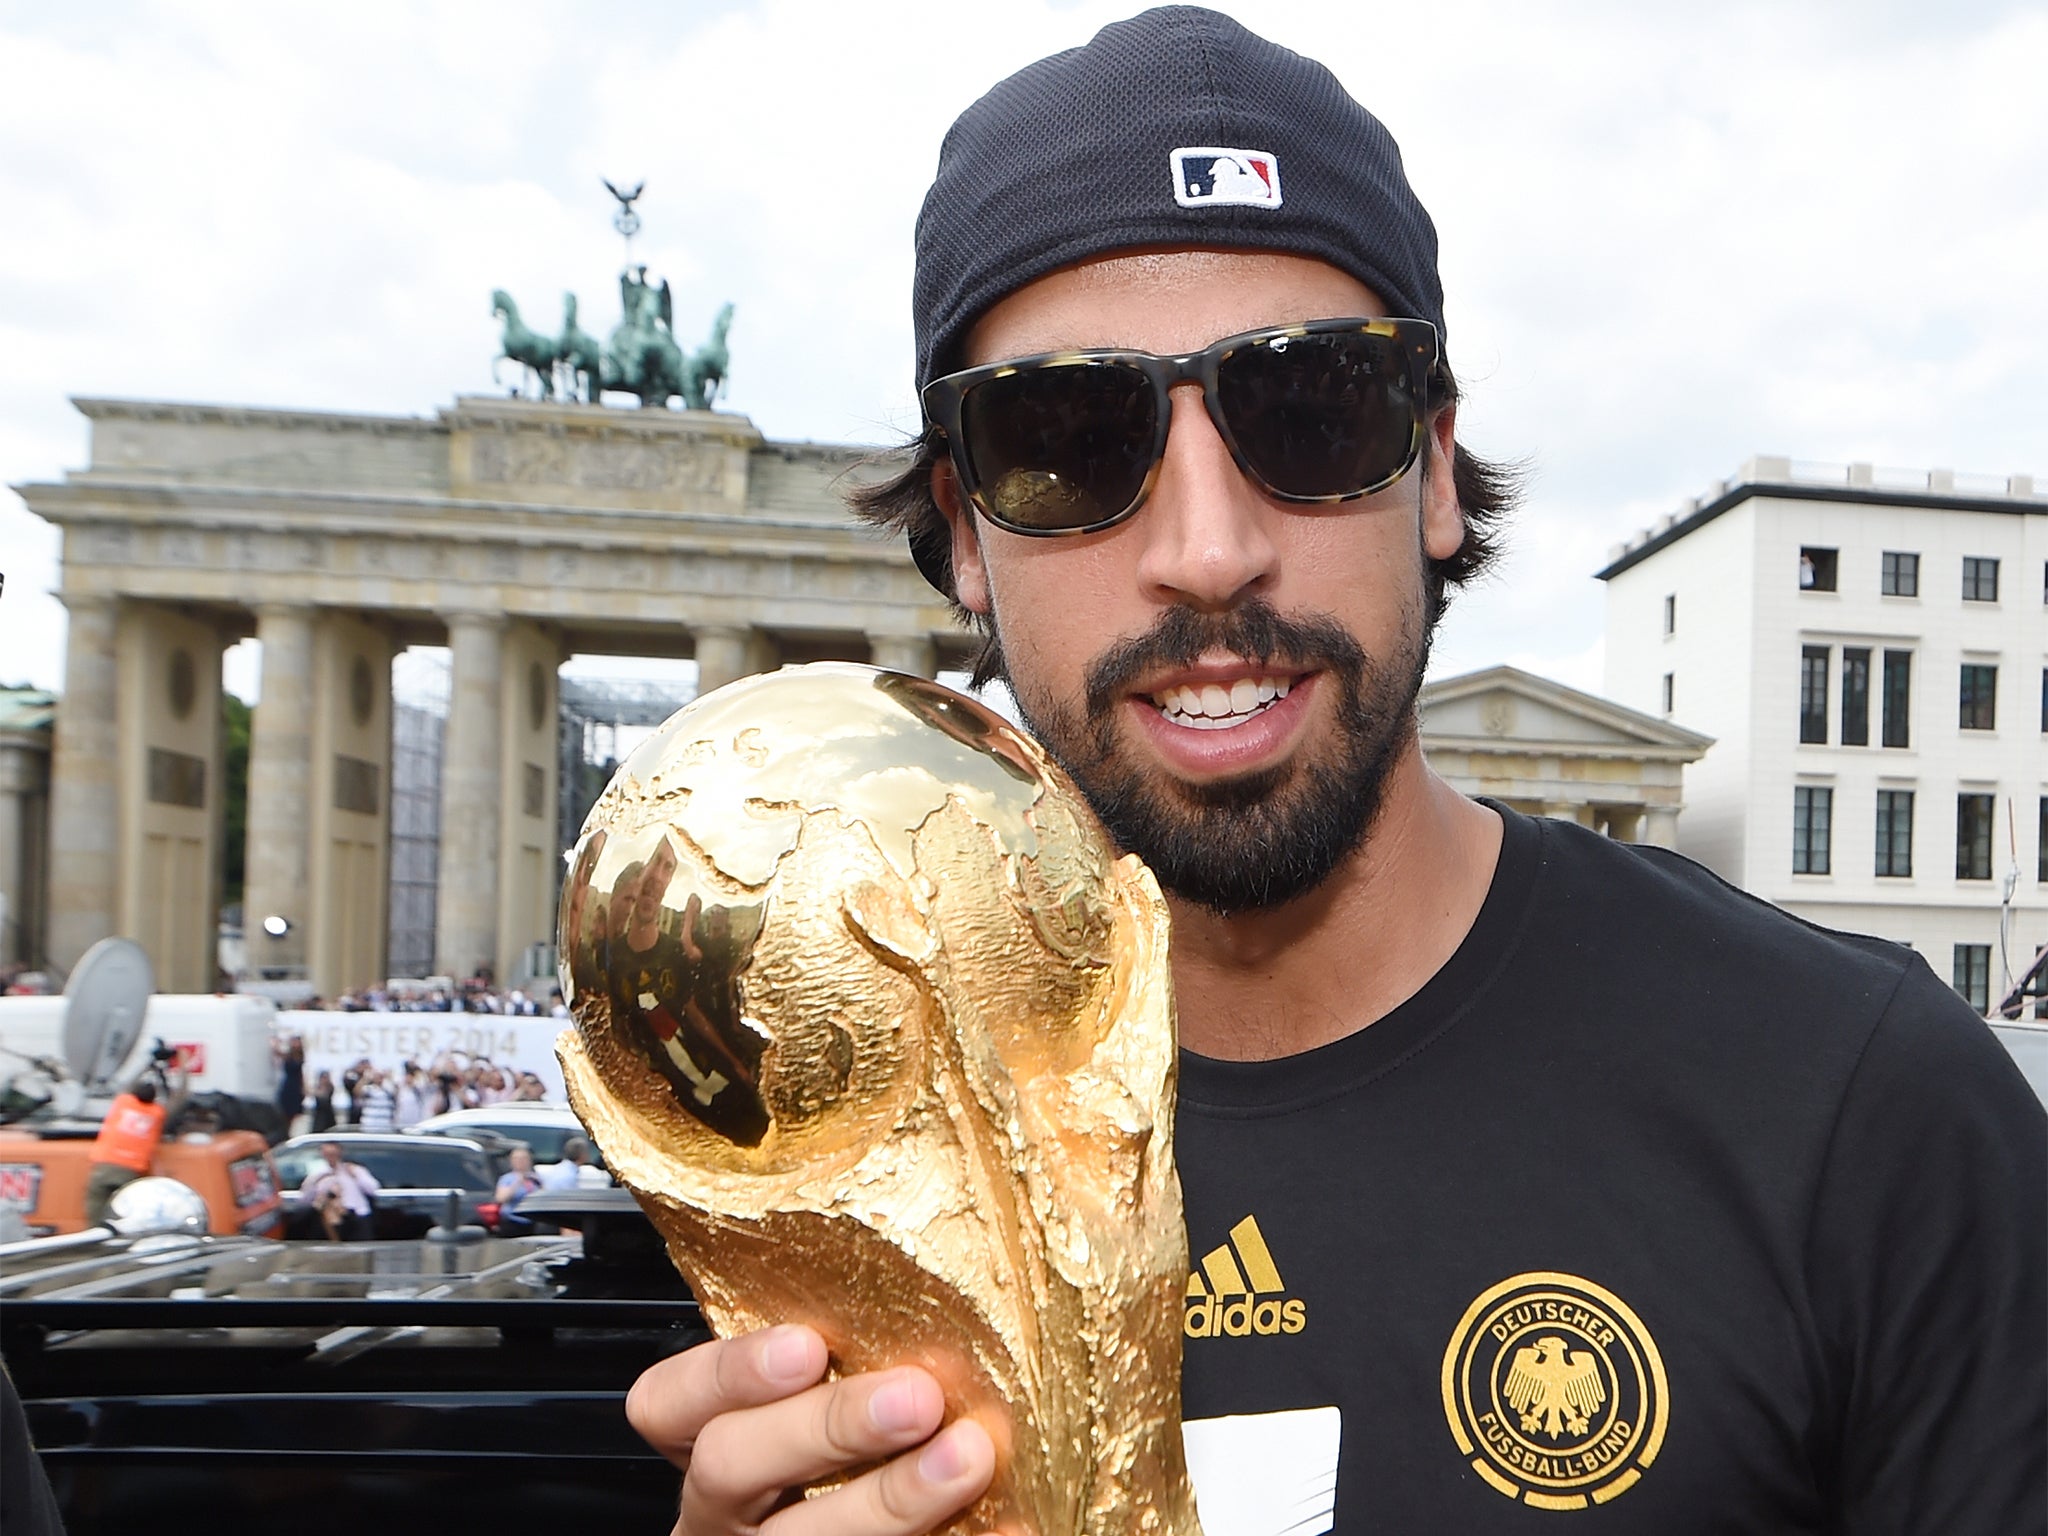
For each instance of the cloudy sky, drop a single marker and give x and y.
(1674, 235)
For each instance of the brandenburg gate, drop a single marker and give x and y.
(516, 533)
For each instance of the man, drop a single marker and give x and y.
(344, 1194)
(409, 1097)
(375, 1105)
(1524, 1172)
(126, 1145)
(575, 1170)
(514, 1185)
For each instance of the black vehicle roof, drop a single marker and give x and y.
(234, 1384)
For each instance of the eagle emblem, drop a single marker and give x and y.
(1554, 1389)
(1555, 1392)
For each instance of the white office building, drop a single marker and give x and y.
(1869, 651)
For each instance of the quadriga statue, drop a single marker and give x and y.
(880, 1031)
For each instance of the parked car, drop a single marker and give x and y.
(415, 1175)
(235, 1386)
(543, 1127)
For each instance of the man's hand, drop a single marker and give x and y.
(746, 1419)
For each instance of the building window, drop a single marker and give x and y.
(1978, 696)
(1813, 810)
(1667, 692)
(1980, 579)
(1973, 837)
(2044, 699)
(1855, 696)
(1973, 975)
(1898, 697)
(1895, 832)
(1671, 613)
(2041, 856)
(1817, 569)
(1899, 575)
(1813, 694)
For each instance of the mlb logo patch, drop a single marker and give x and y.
(1205, 177)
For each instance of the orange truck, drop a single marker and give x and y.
(43, 1169)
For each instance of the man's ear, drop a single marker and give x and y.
(1443, 520)
(970, 575)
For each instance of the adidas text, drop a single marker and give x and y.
(1242, 1317)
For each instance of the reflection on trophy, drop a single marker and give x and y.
(880, 1032)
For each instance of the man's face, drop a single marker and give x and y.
(331, 1151)
(1295, 633)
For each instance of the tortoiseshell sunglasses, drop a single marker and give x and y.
(1071, 442)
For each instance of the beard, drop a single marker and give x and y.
(1261, 839)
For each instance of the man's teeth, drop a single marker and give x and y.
(1212, 707)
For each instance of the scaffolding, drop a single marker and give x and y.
(601, 719)
(419, 720)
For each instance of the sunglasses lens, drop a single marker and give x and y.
(1061, 447)
(1320, 416)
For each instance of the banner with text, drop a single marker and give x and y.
(337, 1041)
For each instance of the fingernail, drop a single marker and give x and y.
(786, 1355)
(893, 1408)
(943, 1459)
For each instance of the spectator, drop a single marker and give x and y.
(352, 1082)
(517, 1183)
(575, 1170)
(291, 1077)
(126, 1144)
(323, 1104)
(344, 1194)
(375, 1105)
(412, 1097)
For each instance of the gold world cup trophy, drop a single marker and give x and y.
(879, 1030)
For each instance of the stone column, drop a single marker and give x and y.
(21, 779)
(914, 654)
(722, 655)
(472, 786)
(276, 879)
(84, 806)
(1660, 827)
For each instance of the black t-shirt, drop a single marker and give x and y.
(1655, 1210)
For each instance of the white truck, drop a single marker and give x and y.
(223, 1042)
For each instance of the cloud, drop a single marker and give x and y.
(1671, 238)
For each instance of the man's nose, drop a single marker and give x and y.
(1208, 530)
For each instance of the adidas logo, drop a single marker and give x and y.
(1237, 1292)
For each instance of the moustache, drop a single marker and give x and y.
(1257, 631)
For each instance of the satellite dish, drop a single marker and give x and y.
(103, 1006)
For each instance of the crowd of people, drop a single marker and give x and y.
(384, 1097)
(476, 995)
